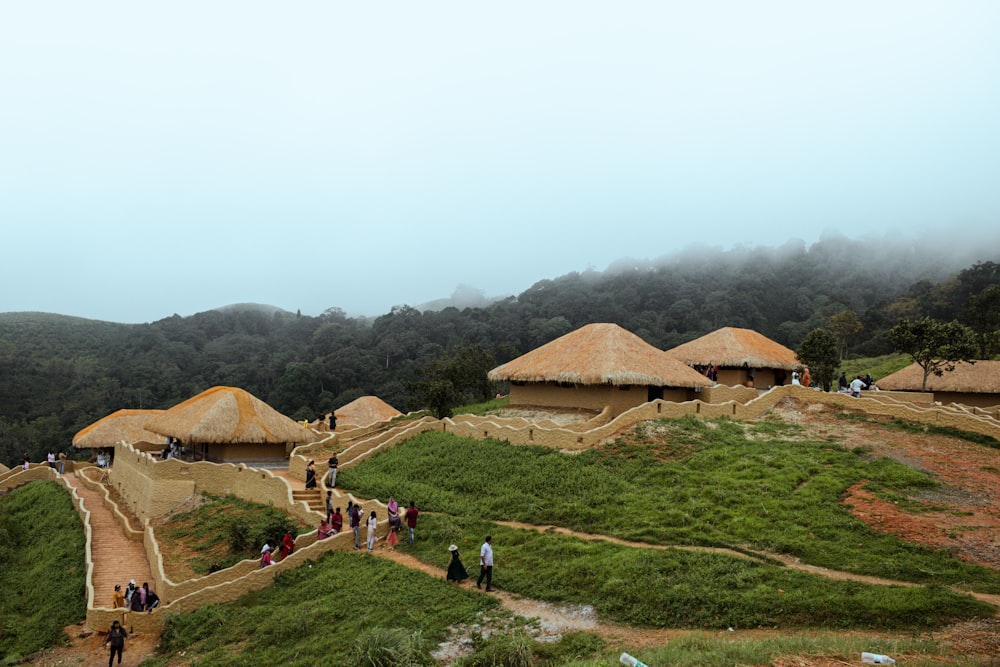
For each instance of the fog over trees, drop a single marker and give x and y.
(59, 374)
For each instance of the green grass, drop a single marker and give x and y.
(879, 367)
(713, 484)
(489, 407)
(312, 615)
(220, 533)
(676, 589)
(43, 578)
(711, 650)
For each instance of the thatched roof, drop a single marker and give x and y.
(730, 346)
(123, 425)
(600, 354)
(982, 377)
(227, 415)
(365, 410)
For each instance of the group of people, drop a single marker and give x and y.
(855, 386)
(803, 378)
(172, 449)
(135, 598)
(355, 516)
(57, 463)
(457, 571)
(286, 547)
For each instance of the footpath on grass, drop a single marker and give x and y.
(790, 562)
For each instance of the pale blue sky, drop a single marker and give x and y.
(178, 157)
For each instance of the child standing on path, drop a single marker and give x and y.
(393, 539)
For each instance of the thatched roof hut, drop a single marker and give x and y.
(121, 426)
(595, 366)
(975, 384)
(231, 424)
(364, 411)
(736, 352)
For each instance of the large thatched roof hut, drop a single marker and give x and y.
(128, 426)
(595, 366)
(365, 411)
(230, 424)
(975, 384)
(742, 355)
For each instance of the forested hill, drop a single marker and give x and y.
(59, 374)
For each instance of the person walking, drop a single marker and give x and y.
(265, 555)
(329, 506)
(456, 569)
(486, 564)
(393, 538)
(411, 520)
(311, 475)
(372, 530)
(331, 477)
(354, 514)
(62, 463)
(287, 545)
(116, 637)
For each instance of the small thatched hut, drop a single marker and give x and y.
(365, 411)
(597, 365)
(128, 426)
(230, 424)
(744, 357)
(977, 384)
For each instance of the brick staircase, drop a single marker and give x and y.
(116, 558)
(312, 498)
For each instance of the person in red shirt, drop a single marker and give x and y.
(287, 545)
(411, 520)
(337, 520)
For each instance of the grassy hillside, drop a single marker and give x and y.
(710, 483)
(43, 580)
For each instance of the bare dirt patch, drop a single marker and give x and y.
(961, 516)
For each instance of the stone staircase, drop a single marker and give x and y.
(311, 497)
(116, 558)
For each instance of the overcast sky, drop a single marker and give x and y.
(160, 158)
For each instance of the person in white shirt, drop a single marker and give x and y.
(486, 564)
(857, 384)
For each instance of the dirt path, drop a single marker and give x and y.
(790, 562)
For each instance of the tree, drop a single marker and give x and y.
(844, 325)
(457, 376)
(983, 314)
(934, 345)
(821, 353)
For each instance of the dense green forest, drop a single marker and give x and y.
(59, 374)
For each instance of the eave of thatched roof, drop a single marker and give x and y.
(982, 377)
(731, 346)
(600, 354)
(228, 415)
(366, 410)
(124, 425)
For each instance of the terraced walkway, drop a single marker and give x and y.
(116, 558)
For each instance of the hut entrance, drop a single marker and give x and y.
(654, 393)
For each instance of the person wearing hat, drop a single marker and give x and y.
(129, 592)
(116, 637)
(456, 570)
